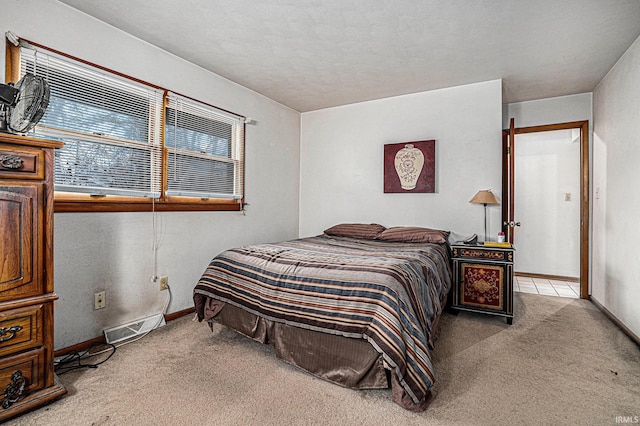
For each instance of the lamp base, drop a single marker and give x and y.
(485, 222)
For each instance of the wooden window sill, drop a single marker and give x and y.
(84, 204)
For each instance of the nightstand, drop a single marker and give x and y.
(483, 279)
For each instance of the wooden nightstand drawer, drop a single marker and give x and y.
(25, 368)
(481, 253)
(20, 329)
(21, 162)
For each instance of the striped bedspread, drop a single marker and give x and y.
(390, 294)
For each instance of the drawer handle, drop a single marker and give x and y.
(11, 161)
(14, 390)
(11, 331)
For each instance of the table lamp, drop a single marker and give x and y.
(485, 196)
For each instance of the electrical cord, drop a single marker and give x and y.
(73, 360)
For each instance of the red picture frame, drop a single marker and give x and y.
(410, 167)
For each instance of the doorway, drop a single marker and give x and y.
(545, 201)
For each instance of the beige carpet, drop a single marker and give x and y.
(561, 362)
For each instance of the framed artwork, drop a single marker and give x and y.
(410, 167)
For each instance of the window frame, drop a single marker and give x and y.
(210, 121)
(80, 202)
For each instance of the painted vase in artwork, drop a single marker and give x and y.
(409, 162)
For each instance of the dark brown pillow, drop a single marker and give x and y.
(413, 234)
(355, 230)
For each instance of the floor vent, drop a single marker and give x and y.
(133, 329)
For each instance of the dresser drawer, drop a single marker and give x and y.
(20, 329)
(24, 368)
(21, 162)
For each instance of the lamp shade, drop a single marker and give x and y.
(484, 196)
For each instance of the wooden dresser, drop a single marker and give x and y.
(27, 379)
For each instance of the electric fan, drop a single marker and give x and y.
(24, 104)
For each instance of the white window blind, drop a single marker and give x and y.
(205, 147)
(111, 127)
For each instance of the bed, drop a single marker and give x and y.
(357, 306)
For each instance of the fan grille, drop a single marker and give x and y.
(31, 105)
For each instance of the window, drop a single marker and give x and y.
(130, 145)
(112, 141)
(204, 153)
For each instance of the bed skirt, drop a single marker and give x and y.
(348, 362)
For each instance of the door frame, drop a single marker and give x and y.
(508, 137)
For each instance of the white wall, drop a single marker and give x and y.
(341, 160)
(616, 114)
(113, 251)
(561, 109)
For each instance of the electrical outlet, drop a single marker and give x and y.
(100, 300)
(164, 282)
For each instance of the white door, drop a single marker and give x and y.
(547, 202)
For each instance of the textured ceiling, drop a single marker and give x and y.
(312, 54)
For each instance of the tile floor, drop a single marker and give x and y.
(546, 287)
